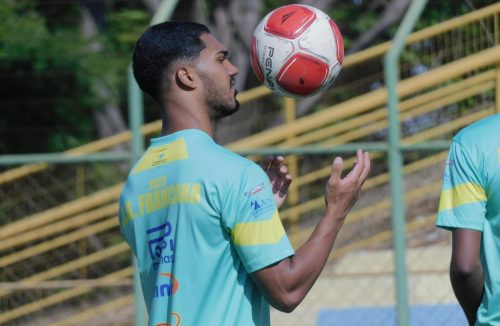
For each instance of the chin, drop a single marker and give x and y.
(236, 105)
(219, 113)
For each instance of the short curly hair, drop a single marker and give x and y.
(159, 47)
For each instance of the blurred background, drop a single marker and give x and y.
(65, 88)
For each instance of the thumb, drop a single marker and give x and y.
(337, 166)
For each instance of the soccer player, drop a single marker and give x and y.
(203, 221)
(470, 208)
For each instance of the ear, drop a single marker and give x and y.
(186, 77)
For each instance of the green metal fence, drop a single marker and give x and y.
(63, 261)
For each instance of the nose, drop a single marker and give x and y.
(232, 69)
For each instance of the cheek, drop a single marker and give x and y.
(204, 69)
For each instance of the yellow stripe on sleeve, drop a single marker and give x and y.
(465, 193)
(258, 232)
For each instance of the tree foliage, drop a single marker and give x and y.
(39, 75)
(52, 76)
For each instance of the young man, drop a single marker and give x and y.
(203, 221)
(470, 208)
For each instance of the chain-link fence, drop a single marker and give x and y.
(357, 286)
(68, 263)
(63, 261)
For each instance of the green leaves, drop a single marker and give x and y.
(52, 78)
(22, 32)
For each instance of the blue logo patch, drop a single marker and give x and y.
(261, 206)
(161, 247)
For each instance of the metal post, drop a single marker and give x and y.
(396, 162)
(136, 120)
(136, 117)
(290, 108)
(497, 88)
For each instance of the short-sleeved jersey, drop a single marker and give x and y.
(200, 219)
(470, 199)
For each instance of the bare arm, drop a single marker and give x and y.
(466, 273)
(286, 283)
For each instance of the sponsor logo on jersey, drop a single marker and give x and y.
(447, 175)
(258, 188)
(161, 155)
(261, 206)
(175, 320)
(167, 288)
(161, 245)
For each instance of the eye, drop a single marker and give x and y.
(222, 56)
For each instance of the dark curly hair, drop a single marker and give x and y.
(159, 47)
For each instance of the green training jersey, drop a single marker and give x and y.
(470, 199)
(200, 219)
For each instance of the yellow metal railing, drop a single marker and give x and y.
(355, 127)
(361, 116)
(60, 212)
(59, 297)
(368, 101)
(46, 223)
(489, 14)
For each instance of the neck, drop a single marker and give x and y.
(181, 117)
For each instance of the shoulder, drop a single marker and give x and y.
(232, 162)
(480, 131)
(221, 164)
(480, 138)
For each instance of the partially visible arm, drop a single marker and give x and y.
(286, 283)
(466, 273)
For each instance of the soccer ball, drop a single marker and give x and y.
(297, 51)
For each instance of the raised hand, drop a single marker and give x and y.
(342, 193)
(279, 177)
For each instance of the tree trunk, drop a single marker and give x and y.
(151, 5)
(109, 120)
(233, 22)
(392, 14)
(322, 5)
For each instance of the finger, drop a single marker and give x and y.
(280, 179)
(337, 167)
(273, 171)
(266, 162)
(356, 171)
(366, 168)
(283, 171)
(280, 173)
(275, 164)
(285, 185)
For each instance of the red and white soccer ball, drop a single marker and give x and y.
(297, 51)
